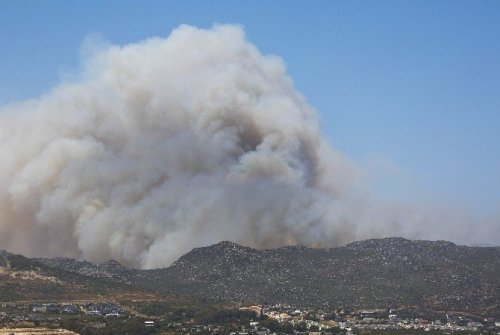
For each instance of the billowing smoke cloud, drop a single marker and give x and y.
(174, 143)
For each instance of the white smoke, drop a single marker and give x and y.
(173, 143)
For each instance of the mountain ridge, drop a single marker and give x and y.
(372, 273)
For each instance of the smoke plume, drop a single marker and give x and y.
(174, 143)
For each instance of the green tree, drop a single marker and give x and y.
(301, 326)
(314, 328)
(271, 324)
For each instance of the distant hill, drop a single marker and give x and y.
(386, 272)
(22, 278)
(372, 273)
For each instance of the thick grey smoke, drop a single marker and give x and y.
(174, 143)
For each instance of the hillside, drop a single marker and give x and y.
(22, 278)
(372, 273)
(386, 272)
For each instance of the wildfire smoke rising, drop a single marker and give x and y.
(170, 144)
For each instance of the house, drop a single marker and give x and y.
(53, 308)
(39, 308)
(70, 309)
(393, 317)
(367, 314)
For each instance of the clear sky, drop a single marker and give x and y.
(410, 90)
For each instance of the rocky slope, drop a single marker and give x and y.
(373, 273)
(22, 278)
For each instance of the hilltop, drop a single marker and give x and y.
(371, 273)
(387, 272)
(23, 278)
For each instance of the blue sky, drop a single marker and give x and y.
(410, 90)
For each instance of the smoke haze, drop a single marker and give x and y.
(170, 144)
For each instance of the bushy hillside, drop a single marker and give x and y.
(22, 278)
(386, 272)
(372, 273)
